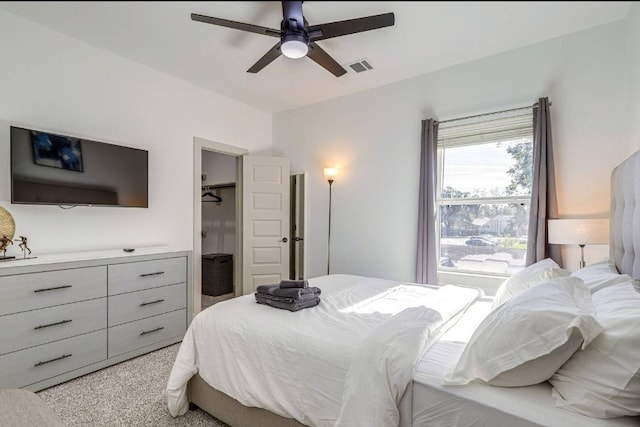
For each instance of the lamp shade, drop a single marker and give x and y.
(330, 173)
(579, 231)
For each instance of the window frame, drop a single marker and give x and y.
(523, 200)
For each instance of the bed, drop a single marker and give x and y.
(341, 363)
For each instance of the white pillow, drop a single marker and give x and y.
(525, 340)
(600, 275)
(527, 278)
(603, 379)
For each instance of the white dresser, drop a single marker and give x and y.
(62, 316)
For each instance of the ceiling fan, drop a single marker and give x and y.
(298, 38)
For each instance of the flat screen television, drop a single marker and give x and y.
(52, 169)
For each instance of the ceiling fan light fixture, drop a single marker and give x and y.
(294, 46)
(297, 39)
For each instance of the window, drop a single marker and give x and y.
(484, 191)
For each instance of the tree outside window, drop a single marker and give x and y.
(485, 189)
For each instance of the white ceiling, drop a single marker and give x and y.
(426, 36)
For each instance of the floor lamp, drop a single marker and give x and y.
(329, 174)
(579, 232)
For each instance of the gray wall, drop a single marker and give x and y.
(374, 138)
(57, 83)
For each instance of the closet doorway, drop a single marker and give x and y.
(217, 254)
(218, 235)
(213, 235)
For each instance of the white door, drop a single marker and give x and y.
(265, 222)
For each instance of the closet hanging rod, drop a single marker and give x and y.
(528, 107)
(216, 186)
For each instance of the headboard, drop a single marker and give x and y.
(624, 238)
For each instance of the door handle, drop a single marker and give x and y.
(284, 240)
(298, 239)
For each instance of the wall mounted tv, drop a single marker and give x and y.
(52, 169)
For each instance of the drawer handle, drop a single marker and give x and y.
(157, 273)
(62, 322)
(52, 289)
(151, 302)
(64, 356)
(152, 331)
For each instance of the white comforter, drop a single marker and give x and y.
(312, 365)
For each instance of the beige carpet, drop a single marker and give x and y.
(208, 300)
(131, 393)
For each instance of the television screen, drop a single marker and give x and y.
(52, 169)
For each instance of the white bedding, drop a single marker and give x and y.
(296, 364)
(480, 405)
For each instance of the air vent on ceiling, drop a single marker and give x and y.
(360, 66)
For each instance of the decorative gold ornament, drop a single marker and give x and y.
(7, 228)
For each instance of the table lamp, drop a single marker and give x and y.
(579, 232)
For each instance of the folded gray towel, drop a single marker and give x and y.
(265, 289)
(291, 306)
(288, 299)
(287, 292)
(294, 284)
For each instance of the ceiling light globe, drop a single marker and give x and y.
(294, 47)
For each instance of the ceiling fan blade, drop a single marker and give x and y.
(323, 59)
(350, 26)
(267, 59)
(236, 25)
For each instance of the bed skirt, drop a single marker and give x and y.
(230, 411)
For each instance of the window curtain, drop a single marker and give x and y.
(427, 268)
(544, 204)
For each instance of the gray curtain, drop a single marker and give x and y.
(544, 204)
(427, 264)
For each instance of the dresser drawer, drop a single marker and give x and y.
(25, 367)
(31, 328)
(135, 276)
(22, 292)
(125, 308)
(141, 333)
